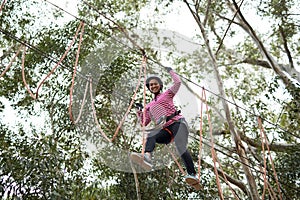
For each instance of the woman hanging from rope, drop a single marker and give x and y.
(174, 129)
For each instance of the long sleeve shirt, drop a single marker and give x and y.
(162, 104)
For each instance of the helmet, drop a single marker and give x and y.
(156, 78)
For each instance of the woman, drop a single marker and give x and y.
(175, 128)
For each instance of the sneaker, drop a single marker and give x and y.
(193, 181)
(143, 161)
(191, 177)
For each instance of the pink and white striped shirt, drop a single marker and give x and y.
(162, 104)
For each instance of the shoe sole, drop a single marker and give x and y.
(138, 159)
(194, 183)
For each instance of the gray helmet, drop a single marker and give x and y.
(156, 78)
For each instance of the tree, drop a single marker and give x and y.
(257, 79)
(291, 86)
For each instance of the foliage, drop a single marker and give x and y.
(44, 155)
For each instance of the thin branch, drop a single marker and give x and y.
(231, 21)
(227, 19)
(287, 50)
(232, 180)
(11, 62)
(248, 28)
(207, 12)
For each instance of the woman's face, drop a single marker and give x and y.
(154, 86)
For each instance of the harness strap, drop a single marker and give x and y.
(170, 133)
(177, 112)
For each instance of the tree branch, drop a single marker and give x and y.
(232, 180)
(277, 147)
(246, 26)
(206, 12)
(286, 47)
(240, 148)
(291, 71)
(230, 22)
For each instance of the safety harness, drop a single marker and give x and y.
(177, 112)
(168, 118)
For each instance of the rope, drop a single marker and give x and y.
(200, 136)
(23, 74)
(213, 153)
(265, 139)
(144, 103)
(2, 5)
(265, 161)
(61, 59)
(176, 161)
(131, 102)
(214, 156)
(143, 66)
(74, 73)
(83, 102)
(103, 32)
(136, 180)
(266, 183)
(95, 114)
(11, 61)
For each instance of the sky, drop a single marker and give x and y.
(179, 20)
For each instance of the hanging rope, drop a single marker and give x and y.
(200, 136)
(74, 73)
(265, 162)
(213, 153)
(2, 5)
(82, 103)
(94, 112)
(132, 100)
(23, 74)
(143, 66)
(176, 161)
(144, 103)
(61, 59)
(136, 180)
(266, 184)
(11, 61)
(264, 140)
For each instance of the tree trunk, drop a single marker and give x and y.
(240, 149)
